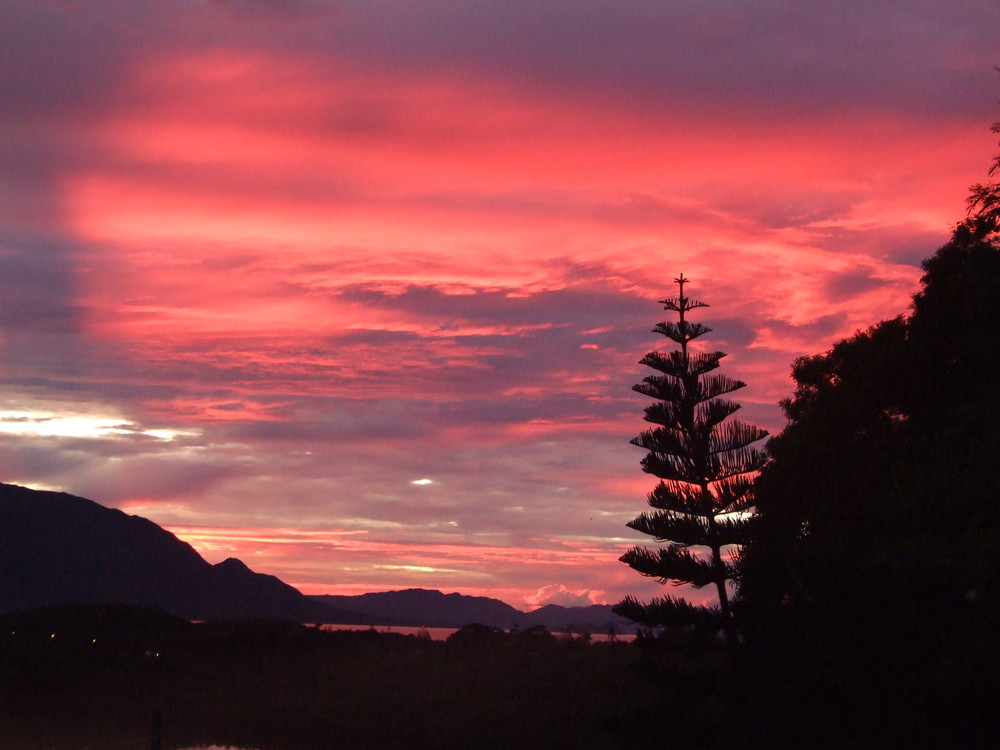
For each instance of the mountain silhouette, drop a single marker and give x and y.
(419, 607)
(57, 548)
(431, 608)
(595, 618)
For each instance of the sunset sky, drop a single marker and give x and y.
(356, 290)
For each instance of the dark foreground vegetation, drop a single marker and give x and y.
(869, 577)
(130, 679)
(115, 678)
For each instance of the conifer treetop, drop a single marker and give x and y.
(704, 462)
(681, 304)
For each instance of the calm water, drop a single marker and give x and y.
(441, 634)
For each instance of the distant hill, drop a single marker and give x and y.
(595, 618)
(57, 548)
(419, 607)
(416, 607)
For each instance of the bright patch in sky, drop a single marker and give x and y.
(48, 424)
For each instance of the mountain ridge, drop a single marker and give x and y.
(417, 607)
(57, 548)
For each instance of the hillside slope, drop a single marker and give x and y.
(57, 548)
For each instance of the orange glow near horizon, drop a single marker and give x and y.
(413, 564)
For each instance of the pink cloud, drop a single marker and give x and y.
(558, 594)
(336, 250)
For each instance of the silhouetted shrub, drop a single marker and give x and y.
(477, 635)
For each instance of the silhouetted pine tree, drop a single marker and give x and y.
(705, 465)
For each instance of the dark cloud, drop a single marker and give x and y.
(29, 460)
(335, 421)
(779, 208)
(611, 208)
(902, 245)
(271, 10)
(593, 304)
(42, 337)
(852, 283)
(730, 333)
(112, 469)
(62, 60)
(821, 329)
(725, 56)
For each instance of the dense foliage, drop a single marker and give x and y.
(704, 462)
(121, 678)
(871, 576)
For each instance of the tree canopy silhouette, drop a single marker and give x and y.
(704, 462)
(878, 528)
(984, 206)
